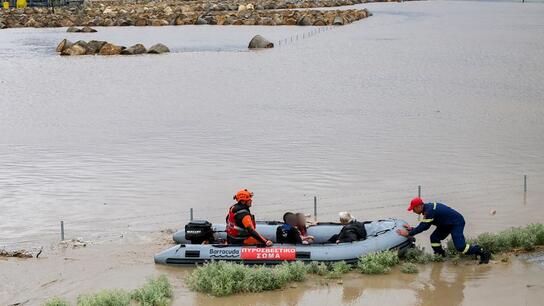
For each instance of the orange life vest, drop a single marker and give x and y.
(235, 228)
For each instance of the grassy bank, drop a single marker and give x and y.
(156, 292)
(222, 278)
(519, 238)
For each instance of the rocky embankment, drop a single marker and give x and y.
(230, 12)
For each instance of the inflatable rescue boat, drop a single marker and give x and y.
(381, 236)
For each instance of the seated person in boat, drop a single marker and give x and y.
(241, 226)
(353, 230)
(302, 226)
(288, 232)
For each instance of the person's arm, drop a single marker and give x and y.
(422, 226)
(248, 225)
(297, 237)
(342, 236)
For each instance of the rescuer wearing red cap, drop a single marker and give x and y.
(241, 223)
(447, 221)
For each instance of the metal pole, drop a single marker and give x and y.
(61, 230)
(191, 213)
(419, 191)
(525, 183)
(315, 209)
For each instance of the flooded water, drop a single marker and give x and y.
(446, 95)
(70, 272)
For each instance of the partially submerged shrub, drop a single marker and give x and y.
(223, 278)
(296, 270)
(437, 258)
(156, 292)
(56, 301)
(341, 266)
(409, 268)
(378, 263)
(537, 229)
(526, 238)
(338, 269)
(319, 268)
(417, 255)
(115, 297)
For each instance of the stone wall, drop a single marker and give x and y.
(160, 13)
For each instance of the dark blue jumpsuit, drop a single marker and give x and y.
(447, 221)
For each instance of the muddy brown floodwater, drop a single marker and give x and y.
(69, 272)
(443, 94)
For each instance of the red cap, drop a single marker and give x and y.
(415, 202)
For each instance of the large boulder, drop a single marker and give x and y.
(140, 22)
(65, 22)
(88, 29)
(180, 19)
(94, 46)
(259, 42)
(64, 44)
(81, 43)
(158, 49)
(305, 21)
(73, 30)
(31, 23)
(290, 21)
(168, 11)
(74, 50)
(201, 20)
(110, 49)
(136, 49)
(338, 20)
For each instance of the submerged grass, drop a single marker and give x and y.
(224, 278)
(419, 256)
(116, 297)
(378, 263)
(337, 269)
(409, 268)
(156, 292)
(56, 301)
(526, 238)
(319, 268)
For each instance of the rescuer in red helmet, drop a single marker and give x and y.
(241, 223)
(448, 222)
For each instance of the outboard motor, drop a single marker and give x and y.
(199, 231)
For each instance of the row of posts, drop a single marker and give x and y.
(191, 215)
(294, 38)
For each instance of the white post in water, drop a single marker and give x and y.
(191, 214)
(419, 191)
(525, 183)
(315, 209)
(61, 230)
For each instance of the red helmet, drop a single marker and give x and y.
(415, 202)
(243, 195)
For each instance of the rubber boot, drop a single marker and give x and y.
(485, 256)
(439, 251)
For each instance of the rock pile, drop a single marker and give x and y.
(93, 47)
(85, 29)
(170, 12)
